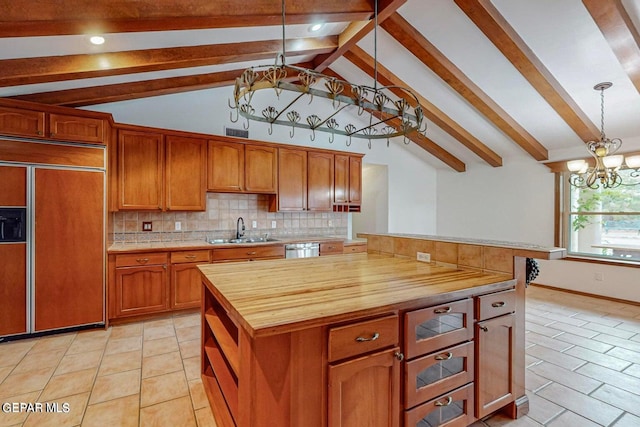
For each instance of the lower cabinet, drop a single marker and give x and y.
(495, 345)
(185, 285)
(140, 284)
(365, 391)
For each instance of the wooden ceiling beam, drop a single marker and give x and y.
(420, 140)
(21, 18)
(24, 71)
(617, 27)
(355, 32)
(489, 20)
(426, 52)
(366, 63)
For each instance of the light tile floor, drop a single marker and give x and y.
(583, 369)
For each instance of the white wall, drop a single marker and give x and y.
(411, 181)
(374, 217)
(516, 203)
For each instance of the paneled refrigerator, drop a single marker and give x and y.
(53, 277)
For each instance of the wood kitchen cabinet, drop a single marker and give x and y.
(225, 166)
(261, 169)
(347, 183)
(320, 171)
(185, 173)
(31, 123)
(158, 172)
(139, 285)
(185, 285)
(292, 180)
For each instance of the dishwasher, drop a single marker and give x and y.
(302, 250)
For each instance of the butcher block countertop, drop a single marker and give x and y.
(277, 296)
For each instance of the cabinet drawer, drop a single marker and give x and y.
(352, 249)
(362, 337)
(496, 304)
(437, 327)
(453, 409)
(134, 260)
(428, 376)
(247, 252)
(189, 256)
(330, 248)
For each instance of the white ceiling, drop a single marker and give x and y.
(560, 33)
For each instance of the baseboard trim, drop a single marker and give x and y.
(586, 294)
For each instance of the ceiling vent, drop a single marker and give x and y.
(240, 133)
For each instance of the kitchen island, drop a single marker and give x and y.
(357, 340)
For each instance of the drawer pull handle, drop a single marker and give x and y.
(445, 356)
(442, 310)
(190, 256)
(251, 253)
(484, 328)
(142, 260)
(498, 304)
(447, 403)
(374, 337)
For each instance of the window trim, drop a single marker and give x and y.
(562, 212)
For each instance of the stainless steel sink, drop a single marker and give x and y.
(243, 240)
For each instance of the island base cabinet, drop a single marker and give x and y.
(495, 349)
(365, 391)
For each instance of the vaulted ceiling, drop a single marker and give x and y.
(497, 79)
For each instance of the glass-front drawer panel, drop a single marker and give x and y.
(433, 328)
(431, 375)
(454, 409)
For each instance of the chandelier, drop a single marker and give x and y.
(605, 172)
(380, 116)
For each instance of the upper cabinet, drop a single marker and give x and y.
(236, 167)
(292, 180)
(320, 181)
(86, 127)
(158, 172)
(348, 183)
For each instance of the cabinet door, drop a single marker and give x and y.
(140, 290)
(69, 248)
(140, 170)
(72, 128)
(14, 186)
(320, 181)
(292, 180)
(355, 180)
(13, 291)
(225, 166)
(261, 166)
(495, 347)
(365, 391)
(341, 181)
(185, 174)
(16, 121)
(186, 286)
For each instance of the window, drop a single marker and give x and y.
(602, 223)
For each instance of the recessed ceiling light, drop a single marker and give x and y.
(97, 40)
(315, 27)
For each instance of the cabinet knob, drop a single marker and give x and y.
(445, 356)
(399, 356)
(52, 134)
(498, 304)
(374, 337)
(442, 310)
(484, 328)
(38, 132)
(448, 402)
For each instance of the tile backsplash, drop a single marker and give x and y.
(219, 221)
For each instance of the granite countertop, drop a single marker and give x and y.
(122, 247)
(276, 296)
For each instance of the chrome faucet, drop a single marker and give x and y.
(239, 229)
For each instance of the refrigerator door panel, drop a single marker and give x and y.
(13, 288)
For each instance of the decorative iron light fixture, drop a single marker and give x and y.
(605, 171)
(383, 117)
